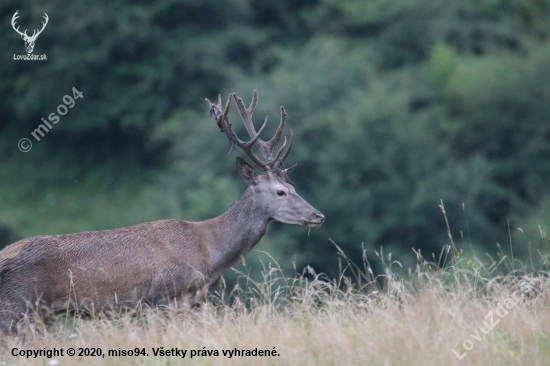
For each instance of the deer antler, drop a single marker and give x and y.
(24, 34)
(266, 148)
(15, 16)
(43, 26)
(225, 126)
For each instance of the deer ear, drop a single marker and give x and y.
(246, 172)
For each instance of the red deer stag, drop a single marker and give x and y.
(161, 261)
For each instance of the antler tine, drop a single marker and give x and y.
(15, 16)
(216, 111)
(252, 105)
(275, 139)
(274, 161)
(43, 24)
(246, 113)
(257, 137)
(289, 146)
(277, 163)
(225, 113)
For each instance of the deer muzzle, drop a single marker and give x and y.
(317, 219)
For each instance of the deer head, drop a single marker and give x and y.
(272, 192)
(29, 41)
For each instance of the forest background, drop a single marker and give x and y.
(395, 105)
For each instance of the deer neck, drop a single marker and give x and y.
(234, 233)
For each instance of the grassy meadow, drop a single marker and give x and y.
(488, 312)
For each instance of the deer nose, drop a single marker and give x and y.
(319, 216)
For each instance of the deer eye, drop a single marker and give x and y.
(280, 193)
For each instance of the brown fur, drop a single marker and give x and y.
(159, 261)
(155, 262)
(146, 261)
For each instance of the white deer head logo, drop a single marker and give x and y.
(29, 41)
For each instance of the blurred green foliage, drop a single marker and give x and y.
(394, 104)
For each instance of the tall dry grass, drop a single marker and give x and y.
(356, 319)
